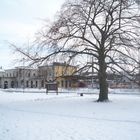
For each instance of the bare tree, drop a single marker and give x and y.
(107, 30)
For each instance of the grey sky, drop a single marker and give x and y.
(19, 20)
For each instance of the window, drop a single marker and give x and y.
(12, 84)
(31, 84)
(27, 84)
(36, 84)
(17, 84)
(21, 82)
(69, 83)
(5, 84)
(28, 74)
(62, 83)
(42, 83)
(66, 84)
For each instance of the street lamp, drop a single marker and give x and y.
(92, 63)
(139, 58)
(23, 84)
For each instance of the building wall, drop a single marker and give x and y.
(60, 73)
(22, 77)
(1, 75)
(57, 72)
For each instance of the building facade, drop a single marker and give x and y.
(24, 77)
(61, 73)
(20, 77)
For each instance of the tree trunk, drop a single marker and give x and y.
(103, 85)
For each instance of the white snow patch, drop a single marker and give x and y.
(37, 116)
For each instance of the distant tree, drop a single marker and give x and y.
(107, 30)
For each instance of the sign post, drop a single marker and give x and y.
(51, 86)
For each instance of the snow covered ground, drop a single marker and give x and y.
(68, 116)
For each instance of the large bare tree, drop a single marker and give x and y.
(107, 30)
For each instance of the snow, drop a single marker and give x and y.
(2, 70)
(68, 116)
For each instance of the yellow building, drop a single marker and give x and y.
(63, 74)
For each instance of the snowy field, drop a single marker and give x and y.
(68, 116)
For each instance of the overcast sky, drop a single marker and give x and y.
(19, 20)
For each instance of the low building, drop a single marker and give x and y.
(24, 77)
(61, 73)
(122, 81)
(20, 77)
(1, 76)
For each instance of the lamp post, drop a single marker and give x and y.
(139, 65)
(92, 63)
(23, 74)
(139, 58)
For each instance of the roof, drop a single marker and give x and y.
(2, 70)
(62, 64)
(56, 64)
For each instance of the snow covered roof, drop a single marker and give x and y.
(2, 70)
